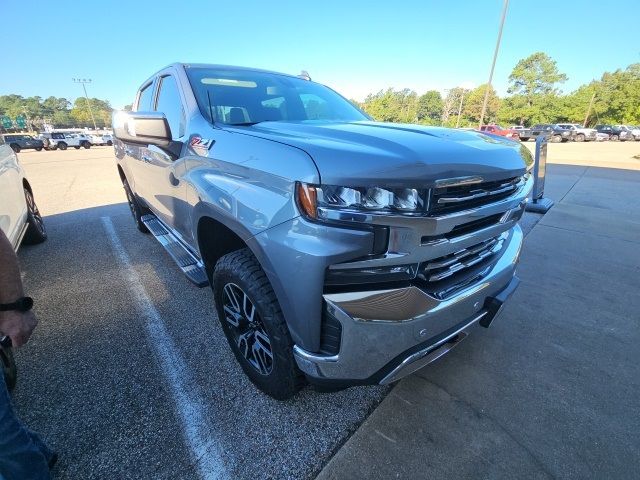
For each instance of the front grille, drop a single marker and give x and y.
(330, 334)
(462, 197)
(445, 275)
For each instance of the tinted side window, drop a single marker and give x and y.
(144, 100)
(170, 103)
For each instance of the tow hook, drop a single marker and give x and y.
(493, 305)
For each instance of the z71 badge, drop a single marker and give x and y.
(200, 145)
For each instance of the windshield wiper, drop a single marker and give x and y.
(244, 124)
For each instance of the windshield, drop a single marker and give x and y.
(244, 97)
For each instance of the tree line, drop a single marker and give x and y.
(60, 112)
(533, 97)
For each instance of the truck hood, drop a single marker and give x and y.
(396, 155)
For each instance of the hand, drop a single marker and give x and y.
(18, 326)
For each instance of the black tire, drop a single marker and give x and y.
(580, 137)
(62, 145)
(77, 147)
(614, 138)
(110, 143)
(524, 139)
(556, 139)
(86, 145)
(137, 211)
(36, 232)
(240, 272)
(38, 149)
(8, 365)
(15, 148)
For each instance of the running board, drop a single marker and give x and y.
(190, 266)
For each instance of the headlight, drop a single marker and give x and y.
(313, 199)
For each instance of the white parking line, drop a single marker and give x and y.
(203, 448)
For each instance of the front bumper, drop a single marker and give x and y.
(387, 334)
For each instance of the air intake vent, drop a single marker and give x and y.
(330, 334)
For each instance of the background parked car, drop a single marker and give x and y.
(615, 133)
(555, 132)
(498, 130)
(59, 140)
(19, 141)
(633, 133)
(581, 134)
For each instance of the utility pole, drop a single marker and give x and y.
(586, 118)
(460, 107)
(26, 116)
(493, 64)
(84, 81)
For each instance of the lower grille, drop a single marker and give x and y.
(330, 334)
(444, 275)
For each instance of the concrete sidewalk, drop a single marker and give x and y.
(552, 389)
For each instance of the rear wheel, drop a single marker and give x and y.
(580, 137)
(614, 138)
(556, 139)
(137, 211)
(36, 233)
(62, 145)
(253, 323)
(86, 144)
(15, 147)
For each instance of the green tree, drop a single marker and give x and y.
(429, 108)
(473, 105)
(392, 105)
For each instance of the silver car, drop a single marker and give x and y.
(340, 250)
(20, 218)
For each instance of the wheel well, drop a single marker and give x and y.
(216, 240)
(121, 173)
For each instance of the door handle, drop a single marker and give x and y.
(173, 180)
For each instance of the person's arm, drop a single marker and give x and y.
(17, 325)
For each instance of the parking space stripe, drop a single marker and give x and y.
(203, 448)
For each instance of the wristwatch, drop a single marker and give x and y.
(23, 304)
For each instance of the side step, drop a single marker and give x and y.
(190, 265)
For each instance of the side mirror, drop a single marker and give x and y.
(144, 128)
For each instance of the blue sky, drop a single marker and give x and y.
(356, 47)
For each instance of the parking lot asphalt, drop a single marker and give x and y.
(128, 374)
(551, 390)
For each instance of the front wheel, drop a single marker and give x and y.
(38, 149)
(254, 325)
(556, 139)
(134, 206)
(62, 145)
(86, 145)
(580, 138)
(36, 233)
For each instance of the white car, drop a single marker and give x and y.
(582, 134)
(20, 218)
(101, 139)
(60, 140)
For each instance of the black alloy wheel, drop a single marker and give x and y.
(62, 145)
(247, 330)
(36, 232)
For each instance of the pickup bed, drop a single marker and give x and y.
(340, 251)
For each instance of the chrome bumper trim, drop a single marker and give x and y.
(379, 325)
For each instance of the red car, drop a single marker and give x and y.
(498, 130)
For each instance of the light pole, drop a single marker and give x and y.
(460, 107)
(493, 64)
(84, 81)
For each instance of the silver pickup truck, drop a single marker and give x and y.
(340, 251)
